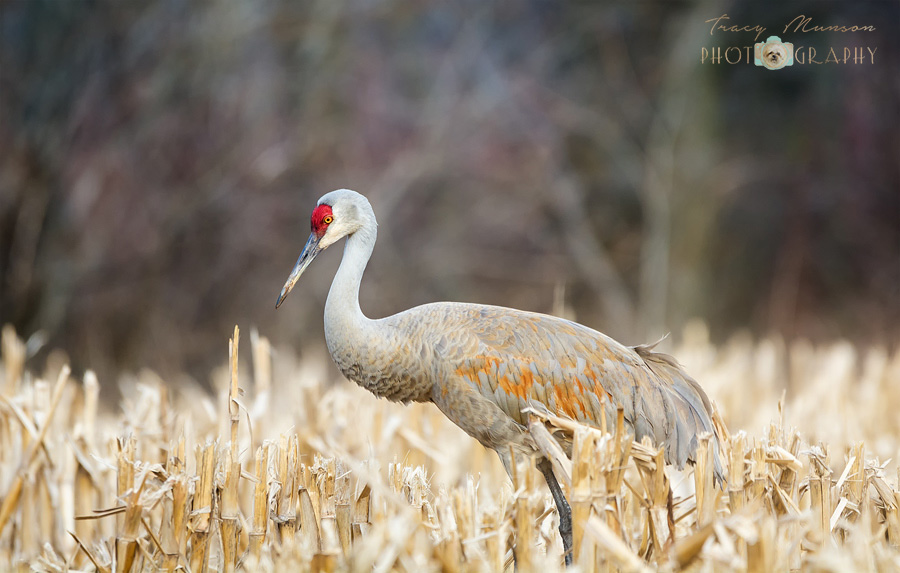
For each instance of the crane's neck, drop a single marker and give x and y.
(373, 353)
(342, 307)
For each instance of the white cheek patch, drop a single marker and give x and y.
(329, 237)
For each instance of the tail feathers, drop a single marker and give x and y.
(701, 414)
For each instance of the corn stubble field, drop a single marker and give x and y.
(284, 469)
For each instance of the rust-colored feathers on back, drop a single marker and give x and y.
(515, 359)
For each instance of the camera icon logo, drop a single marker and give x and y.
(773, 53)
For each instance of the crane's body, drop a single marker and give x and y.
(482, 365)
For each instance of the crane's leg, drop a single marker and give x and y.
(565, 512)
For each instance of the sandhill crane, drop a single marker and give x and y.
(482, 365)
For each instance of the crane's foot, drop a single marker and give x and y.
(562, 506)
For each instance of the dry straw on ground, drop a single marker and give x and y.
(282, 469)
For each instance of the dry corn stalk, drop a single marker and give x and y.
(820, 492)
(736, 472)
(28, 463)
(128, 524)
(657, 500)
(703, 481)
(260, 502)
(526, 507)
(581, 497)
(202, 507)
(229, 509)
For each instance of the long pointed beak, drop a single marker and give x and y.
(309, 253)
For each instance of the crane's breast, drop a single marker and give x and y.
(383, 362)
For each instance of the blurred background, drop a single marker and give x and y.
(159, 162)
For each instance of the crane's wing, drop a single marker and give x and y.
(518, 358)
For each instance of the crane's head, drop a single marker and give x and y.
(337, 215)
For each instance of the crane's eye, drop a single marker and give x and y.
(328, 219)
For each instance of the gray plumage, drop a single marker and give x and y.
(482, 365)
